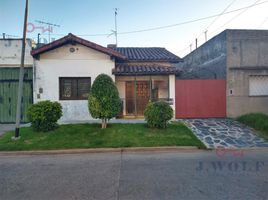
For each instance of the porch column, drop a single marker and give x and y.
(135, 95)
(172, 81)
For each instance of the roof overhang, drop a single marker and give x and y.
(143, 70)
(72, 39)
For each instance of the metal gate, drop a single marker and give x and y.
(200, 98)
(9, 82)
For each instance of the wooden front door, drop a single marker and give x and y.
(142, 96)
(137, 97)
(130, 98)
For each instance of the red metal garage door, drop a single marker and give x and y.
(200, 98)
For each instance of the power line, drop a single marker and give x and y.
(171, 25)
(243, 11)
(191, 21)
(217, 17)
(261, 24)
(220, 15)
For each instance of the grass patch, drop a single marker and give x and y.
(92, 136)
(258, 121)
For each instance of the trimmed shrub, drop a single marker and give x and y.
(157, 114)
(103, 101)
(44, 115)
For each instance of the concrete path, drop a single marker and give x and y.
(224, 133)
(201, 175)
(9, 127)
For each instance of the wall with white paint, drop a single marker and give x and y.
(10, 53)
(172, 80)
(60, 62)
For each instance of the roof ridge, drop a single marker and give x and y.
(73, 38)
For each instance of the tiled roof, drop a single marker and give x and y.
(148, 54)
(72, 39)
(125, 69)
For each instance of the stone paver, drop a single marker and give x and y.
(224, 133)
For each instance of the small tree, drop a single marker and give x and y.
(103, 101)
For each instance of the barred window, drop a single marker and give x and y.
(74, 88)
(258, 85)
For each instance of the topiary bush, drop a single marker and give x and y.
(157, 114)
(104, 102)
(44, 115)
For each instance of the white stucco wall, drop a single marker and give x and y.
(172, 80)
(60, 62)
(10, 53)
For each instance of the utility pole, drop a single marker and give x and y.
(206, 39)
(20, 89)
(115, 24)
(196, 43)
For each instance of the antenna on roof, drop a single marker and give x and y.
(114, 32)
(115, 25)
(50, 27)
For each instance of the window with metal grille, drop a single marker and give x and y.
(258, 85)
(74, 88)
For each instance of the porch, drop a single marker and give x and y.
(137, 91)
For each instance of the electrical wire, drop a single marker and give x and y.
(206, 29)
(171, 25)
(243, 11)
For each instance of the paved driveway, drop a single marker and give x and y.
(224, 133)
(201, 175)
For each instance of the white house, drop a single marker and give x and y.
(64, 70)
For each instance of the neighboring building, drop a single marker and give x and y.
(10, 59)
(226, 76)
(65, 69)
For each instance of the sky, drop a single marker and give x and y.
(86, 18)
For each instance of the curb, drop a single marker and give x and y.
(103, 150)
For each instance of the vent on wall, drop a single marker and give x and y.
(72, 49)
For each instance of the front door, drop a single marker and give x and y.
(142, 96)
(137, 97)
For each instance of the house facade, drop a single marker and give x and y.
(10, 58)
(225, 77)
(64, 70)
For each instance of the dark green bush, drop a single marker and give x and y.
(44, 115)
(157, 114)
(258, 121)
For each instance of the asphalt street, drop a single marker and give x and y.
(178, 175)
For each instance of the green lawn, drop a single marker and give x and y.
(258, 121)
(92, 136)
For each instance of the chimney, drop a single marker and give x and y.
(111, 46)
